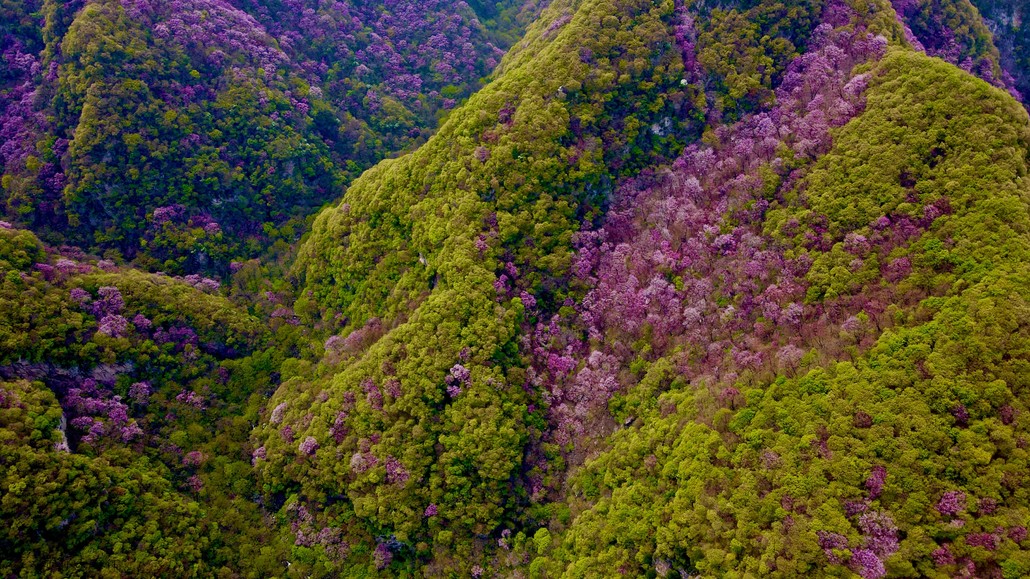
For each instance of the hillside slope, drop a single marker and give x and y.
(687, 288)
(126, 400)
(186, 135)
(482, 354)
(900, 453)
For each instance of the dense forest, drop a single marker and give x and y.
(579, 288)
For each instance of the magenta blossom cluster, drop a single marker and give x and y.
(457, 377)
(951, 503)
(879, 541)
(874, 484)
(684, 261)
(832, 544)
(20, 121)
(308, 533)
(108, 308)
(867, 564)
(880, 532)
(191, 398)
(180, 337)
(100, 414)
(411, 51)
(382, 556)
(140, 392)
(395, 472)
(194, 458)
(308, 446)
(259, 454)
(203, 284)
(197, 25)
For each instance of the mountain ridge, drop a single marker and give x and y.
(684, 289)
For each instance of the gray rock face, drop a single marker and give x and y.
(1009, 21)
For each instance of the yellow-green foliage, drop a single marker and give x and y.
(362, 258)
(419, 432)
(161, 298)
(114, 513)
(510, 166)
(123, 509)
(19, 249)
(747, 493)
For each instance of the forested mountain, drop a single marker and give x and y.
(189, 134)
(584, 288)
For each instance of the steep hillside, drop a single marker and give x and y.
(421, 420)
(189, 134)
(882, 429)
(473, 351)
(686, 288)
(480, 358)
(125, 404)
